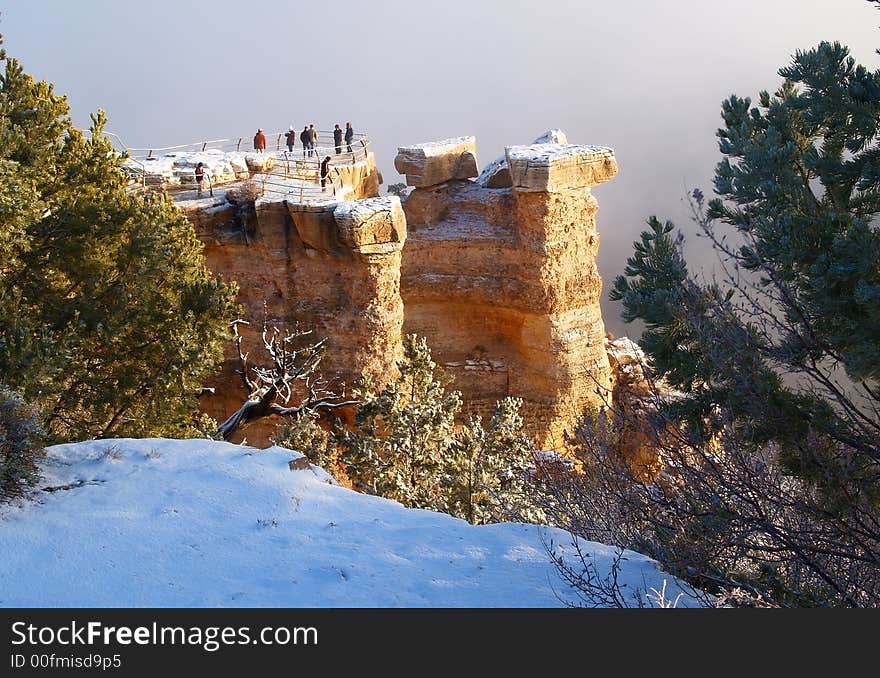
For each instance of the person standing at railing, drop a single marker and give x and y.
(337, 139)
(259, 141)
(349, 135)
(305, 138)
(313, 138)
(291, 139)
(325, 172)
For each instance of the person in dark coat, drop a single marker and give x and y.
(349, 135)
(337, 139)
(291, 139)
(325, 171)
(259, 141)
(305, 138)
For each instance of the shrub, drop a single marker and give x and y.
(20, 445)
(303, 434)
(406, 446)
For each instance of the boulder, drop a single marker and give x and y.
(260, 162)
(436, 162)
(373, 225)
(548, 168)
(299, 464)
(497, 175)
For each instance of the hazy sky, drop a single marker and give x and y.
(643, 77)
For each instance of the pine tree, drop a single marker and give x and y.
(402, 432)
(485, 469)
(111, 320)
(800, 186)
(405, 446)
(779, 358)
(306, 436)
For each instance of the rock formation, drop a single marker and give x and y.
(636, 395)
(333, 267)
(503, 283)
(498, 274)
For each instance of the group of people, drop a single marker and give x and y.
(309, 139)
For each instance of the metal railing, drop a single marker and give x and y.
(326, 146)
(306, 189)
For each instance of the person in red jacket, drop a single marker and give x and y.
(259, 141)
(200, 174)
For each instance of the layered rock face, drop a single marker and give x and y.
(504, 285)
(333, 268)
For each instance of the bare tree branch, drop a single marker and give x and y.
(290, 373)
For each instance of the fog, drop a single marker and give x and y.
(646, 78)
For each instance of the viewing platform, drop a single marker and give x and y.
(274, 174)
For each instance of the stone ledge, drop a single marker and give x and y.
(547, 168)
(435, 162)
(365, 224)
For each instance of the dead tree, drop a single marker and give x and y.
(290, 377)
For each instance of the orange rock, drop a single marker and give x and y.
(503, 283)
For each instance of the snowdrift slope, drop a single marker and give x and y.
(195, 523)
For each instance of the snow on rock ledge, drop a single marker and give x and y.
(552, 136)
(547, 168)
(436, 162)
(497, 175)
(624, 351)
(372, 225)
(179, 168)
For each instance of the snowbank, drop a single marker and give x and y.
(199, 523)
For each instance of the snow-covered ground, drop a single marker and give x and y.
(179, 167)
(195, 523)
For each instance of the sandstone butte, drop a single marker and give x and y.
(496, 269)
